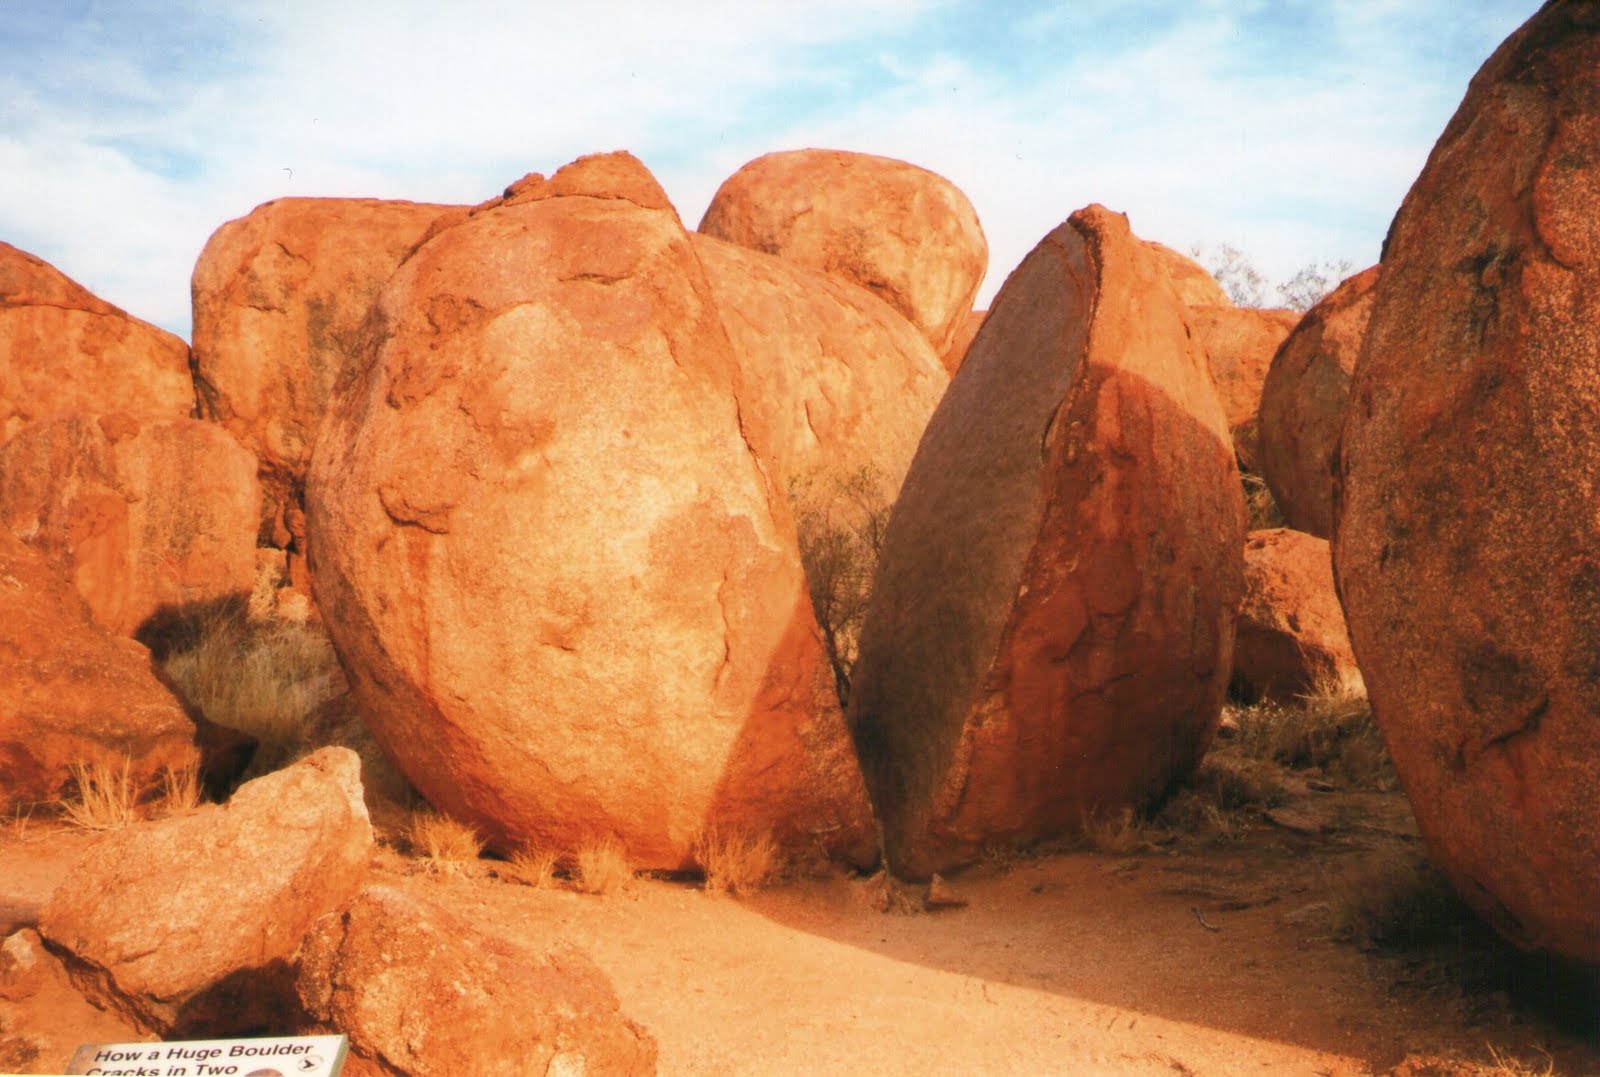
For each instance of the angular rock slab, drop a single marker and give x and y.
(1052, 628)
(1292, 639)
(566, 590)
(63, 349)
(148, 518)
(162, 912)
(73, 694)
(1465, 525)
(900, 231)
(421, 990)
(1303, 403)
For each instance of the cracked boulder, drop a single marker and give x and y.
(1465, 526)
(564, 584)
(64, 349)
(1053, 621)
(900, 231)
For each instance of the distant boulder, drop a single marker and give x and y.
(831, 380)
(1195, 285)
(1303, 403)
(1292, 639)
(565, 586)
(1465, 526)
(73, 694)
(146, 518)
(900, 231)
(1052, 627)
(966, 330)
(1239, 343)
(63, 349)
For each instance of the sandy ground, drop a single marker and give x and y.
(1185, 958)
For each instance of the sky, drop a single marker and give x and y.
(1290, 129)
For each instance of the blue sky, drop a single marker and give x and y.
(131, 129)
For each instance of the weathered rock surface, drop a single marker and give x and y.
(1303, 403)
(145, 517)
(567, 593)
(1195, 286)
(43, 1017)
(831, 380)
(64, 349)
(966, 330)
(280, 296)
(422, 991)
(71, 692)
(1052, 629)
(1292, 638)
(1239, 343)
(1465, 530)
(895, 229)
(165, 913)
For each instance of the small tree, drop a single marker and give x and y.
(841, 522)
(1312, 283)
(1233, 270)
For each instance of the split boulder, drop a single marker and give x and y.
(1465, 530)
(900, 231)
(1052, 626)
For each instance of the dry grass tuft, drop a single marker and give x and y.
(20, 818)
(443, 842)
(533, 867)
(105, 798)
(1330, 729)
(602, 867)
(735, 863)
(1395, 899)
(267, 679)
(1261, 511)
(180, 790)
(1118, 833)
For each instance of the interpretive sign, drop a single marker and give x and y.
(290, 1056)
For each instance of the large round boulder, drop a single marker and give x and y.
(831, 379)
(900, 231)
(72, 694)
(149, 519)
(64, 349)
(1303, 403)
(565, 587)
(1465, 525)
(1052, 627)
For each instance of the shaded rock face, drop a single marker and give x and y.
(33, 982)
(895, 229)
(71, 692)
(280, 296)
(1239, 343)
(566, 591)
(1303, 403)
(420, 990)
(831, 379)
(1291, 639)
(146, 518)
(966, 332)
(1464, 520)
(165, 916)
(63, 349)
(1052, 627)
(1195, 286)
